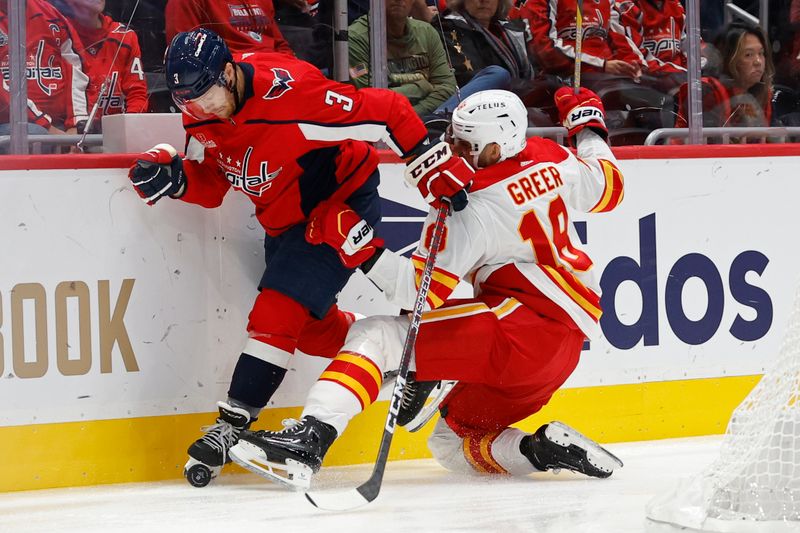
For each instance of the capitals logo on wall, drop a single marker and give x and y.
(280, 84)
(237, 173)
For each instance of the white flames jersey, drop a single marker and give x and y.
(516, 232)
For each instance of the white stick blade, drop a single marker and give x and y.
(343, 500)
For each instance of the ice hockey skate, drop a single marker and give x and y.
(290, 456)
(209, 453)
(414, 413)
(555, 446)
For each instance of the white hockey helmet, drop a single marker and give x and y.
(493, 116)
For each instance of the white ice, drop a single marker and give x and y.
(417, 497)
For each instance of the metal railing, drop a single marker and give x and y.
(95, 139)
(725, 134)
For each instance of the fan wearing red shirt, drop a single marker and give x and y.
(245, 25)
(112, 55)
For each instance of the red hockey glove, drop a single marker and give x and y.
(338, 226)
(157, 173)
(436, 173)
(582, 110)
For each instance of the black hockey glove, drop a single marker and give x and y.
(157, 173)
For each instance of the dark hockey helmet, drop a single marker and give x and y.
(195, 62)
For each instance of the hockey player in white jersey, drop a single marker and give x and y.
(516, 341)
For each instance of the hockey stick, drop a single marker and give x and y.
(578, 44)
(368, 491)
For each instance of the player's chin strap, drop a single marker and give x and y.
(105, 85)
(233, 87)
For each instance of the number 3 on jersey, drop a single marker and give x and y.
(334, 98)
(531, 229)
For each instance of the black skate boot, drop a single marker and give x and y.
(413, 413)
(298, 449)
(415, 393)
(555, 446)
(209, 453)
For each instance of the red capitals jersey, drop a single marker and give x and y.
(126, 88)
(56, 79)
(514, 242)
(657, 28)
(552, 24)
(298, 138)
(245, 25)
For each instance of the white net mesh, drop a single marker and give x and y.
(754, 485)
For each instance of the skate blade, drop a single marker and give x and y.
(431, 408)
(598, 457)
(251, 457)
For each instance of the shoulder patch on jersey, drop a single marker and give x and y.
(280, 84)
(3, 38)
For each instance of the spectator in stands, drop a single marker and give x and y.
(112, 55)
(424, 11)
(246, 25)
(56, 78)
(417, 63)
(742, 95)
(605, 48)
(487, 50)
(657, 28)
(793, 66)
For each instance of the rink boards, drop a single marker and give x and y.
(120, 323)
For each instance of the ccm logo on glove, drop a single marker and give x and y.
(437, 174)
(433, 158)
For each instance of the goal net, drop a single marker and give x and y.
(754, 485)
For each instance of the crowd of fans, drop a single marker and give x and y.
(82, 54)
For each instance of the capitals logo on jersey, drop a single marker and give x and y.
(280, 84)
(237, 174)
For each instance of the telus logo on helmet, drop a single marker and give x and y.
(490, 105)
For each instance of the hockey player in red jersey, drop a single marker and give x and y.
(245, 25)
(536, 300)
(275, 129)
(112, 54)
(56, 78)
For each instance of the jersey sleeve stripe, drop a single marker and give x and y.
(577, 291)
(442, 285)
(457, 311)
(508, 306)
(613, 192)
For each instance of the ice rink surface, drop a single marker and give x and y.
(417, 497)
